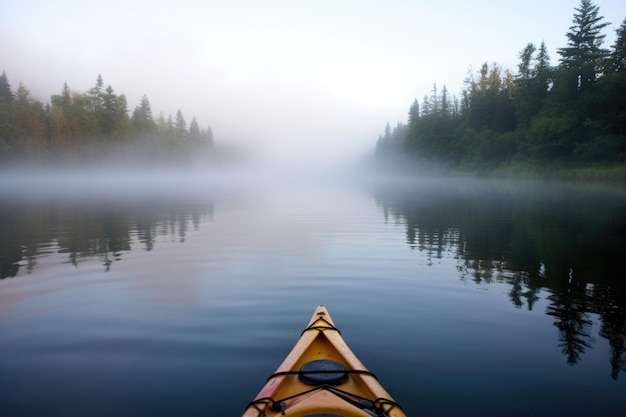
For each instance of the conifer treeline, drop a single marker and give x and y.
(92, 125)
(565, 116)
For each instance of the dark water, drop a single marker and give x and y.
(466, 298)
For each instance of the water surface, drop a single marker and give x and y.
(464, 297)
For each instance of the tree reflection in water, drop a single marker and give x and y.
(88, 231)
(564, 239)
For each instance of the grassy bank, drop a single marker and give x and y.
(615, 172)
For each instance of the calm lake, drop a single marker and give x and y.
(180, 296)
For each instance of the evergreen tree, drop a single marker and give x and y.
(525, 70)
(392, 143)
(142, 121)
(617, 60)
(543, 71)
(427, 107)
(531, 83)
(113, 115)
(59, 119)
(445, 103)
(85, 128)
(74, 124)
(542, 115)
(410, 143)
(63, 100)
(435, 101)
(170, 131)
(6, 93)
(414, 113)
(524, 98)
(7, 129)
(108, 112)
(96, 95)
(583, 57)
(207, 136)
(490, 103)
(29, 121)
(180, 126)
(194, 131)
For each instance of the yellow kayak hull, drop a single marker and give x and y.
(322, 376)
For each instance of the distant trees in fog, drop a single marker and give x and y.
(91, 125)
(571, 115)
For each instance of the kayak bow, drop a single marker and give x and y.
(322, 377)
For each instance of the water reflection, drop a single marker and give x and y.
(562, 244)
(567, 240)
(89, 230)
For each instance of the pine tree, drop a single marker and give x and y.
(143, 123)
(525, 70)
(445, 102)
(113, 115)
(5, 89)
(60, 120)
(194, 131)
(7, 129)
(414, 113)
(207, 136)
(543, 70)
(96, 95)
(63, 100)
(180, 126)
(617, 60)
(531, 82)
(583, 57)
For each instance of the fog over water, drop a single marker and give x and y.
(158, 291)
(140, 277)
(283, 171)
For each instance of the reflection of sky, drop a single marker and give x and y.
(260, 240)
(233, 296)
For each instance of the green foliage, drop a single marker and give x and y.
(29, 118)
(617, 60)
(601, 148)
(6, 93)
(180, 126)
(532, 83)
(143, 123)
(91, 125)
(543, 119)
(584, 56)
(194, 131)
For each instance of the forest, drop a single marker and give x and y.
(93, 126)
(566, 120)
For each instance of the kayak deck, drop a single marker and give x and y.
(322, 376)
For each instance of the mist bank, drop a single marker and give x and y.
(236, 175)
(565, 120)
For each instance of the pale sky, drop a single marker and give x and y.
(283, 75)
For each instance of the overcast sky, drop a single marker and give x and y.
(277, 74)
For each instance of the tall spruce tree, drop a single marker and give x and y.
(143, 122)
(583, 57)
(194, 131)
(543, 70)
(525, 103)
(6, 92)
(207, 136)
(180, 126)
(617, 61)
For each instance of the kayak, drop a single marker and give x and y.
(321, 377)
